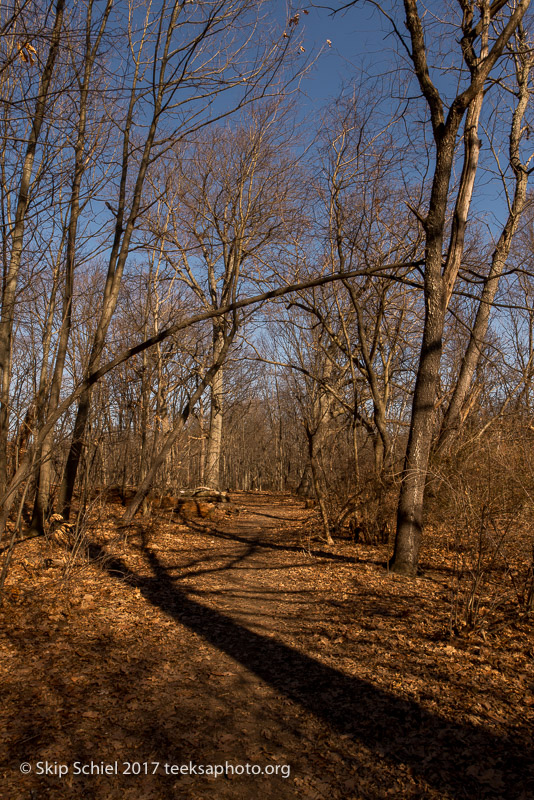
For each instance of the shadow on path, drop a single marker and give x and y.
(452, 757)
(262, 541)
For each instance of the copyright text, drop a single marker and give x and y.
(60, 770)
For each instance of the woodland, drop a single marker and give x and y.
(267, 398)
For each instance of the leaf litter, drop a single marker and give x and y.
(241, 641)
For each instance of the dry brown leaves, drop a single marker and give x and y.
(247, 641)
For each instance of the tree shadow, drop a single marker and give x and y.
(458, 759)
(212, 530)
(277, 517)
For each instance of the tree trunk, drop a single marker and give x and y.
(42, 495)
(439, 281)
(452, 419)
(410, 507)
(9, 289)
(317, 485)
(214, 445)
(172, 436)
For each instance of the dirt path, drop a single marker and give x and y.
(240, 643)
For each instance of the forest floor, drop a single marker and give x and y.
(309, 671)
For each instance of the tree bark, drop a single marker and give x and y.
(9, 289)
(453, 416)
(214, 444)
(438, 284)
(42, 495)
(157, 462)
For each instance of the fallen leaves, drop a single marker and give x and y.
(105, 664)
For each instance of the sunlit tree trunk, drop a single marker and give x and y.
(214, 443)
(455, 411)
(10, 282)
(439, 280)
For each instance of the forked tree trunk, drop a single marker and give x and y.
(440, 280)
(453, 416)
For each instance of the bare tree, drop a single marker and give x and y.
(492, 31)
(521, 53)
(14, 235)
(83, 153)
(229, 200)
(26, 464)
(197, 52)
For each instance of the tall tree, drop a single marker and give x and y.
(491, 33)
(230, 199)
(84, 146)
(182, 58)
(483, 33)
(15, 229)
(521, 90)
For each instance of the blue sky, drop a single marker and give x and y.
(362, 43)
(357, 42)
